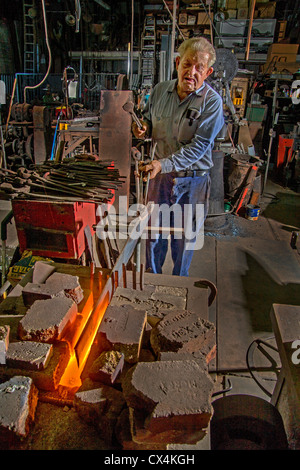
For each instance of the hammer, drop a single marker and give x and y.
(129, 108)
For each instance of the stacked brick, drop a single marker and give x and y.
(148, 386)
(33, 352)
(18, 401)
(155, 357)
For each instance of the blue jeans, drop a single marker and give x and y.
(165, 189)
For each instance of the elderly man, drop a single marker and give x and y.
(183, 116)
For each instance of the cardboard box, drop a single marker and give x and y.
(231, 13)
(242, 13)
(231, 4)
(182, 18)
(281, 57)
(266, 10)
(280, 30)
(242, 4)
(203, 18)
(280, 67)
(283, 52)
(281, 25)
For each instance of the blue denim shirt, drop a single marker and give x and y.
(184, 130)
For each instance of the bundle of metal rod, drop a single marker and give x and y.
(69, 180)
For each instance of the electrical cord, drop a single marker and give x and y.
(212, 23)
(223, 391)
(258, 342)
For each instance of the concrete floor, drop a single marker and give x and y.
(253, 266)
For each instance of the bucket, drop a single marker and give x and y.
(252, 212)
(239, 167)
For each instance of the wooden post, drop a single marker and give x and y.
(250, 29)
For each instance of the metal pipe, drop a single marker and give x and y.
(131, 48)
(173, 38)
(168, 10)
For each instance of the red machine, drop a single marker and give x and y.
(285, 150)
(54, 229)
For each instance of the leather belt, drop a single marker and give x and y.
(190, 173)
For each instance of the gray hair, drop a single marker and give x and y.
(198, 44)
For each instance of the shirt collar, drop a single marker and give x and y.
(173, 87)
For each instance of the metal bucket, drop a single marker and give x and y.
(244, 422)
(238, 169)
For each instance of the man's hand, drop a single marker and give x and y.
(151, 168)
(137, 132)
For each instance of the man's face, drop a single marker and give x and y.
(192, 69)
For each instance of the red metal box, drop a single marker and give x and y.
(53, 229)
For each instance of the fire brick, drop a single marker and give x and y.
(186, 332)
(41, 271)
(160, 440)
(175, 395)
(124, 430)
(4, 342)
(29, 355)
(57, 285)
(184, 356)
(69, 283)
(107, 367)
(33, 292)
(100, 407)
(18, 401)
(122, 330)
(47, 320)
(157, 301)
(47, 379)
